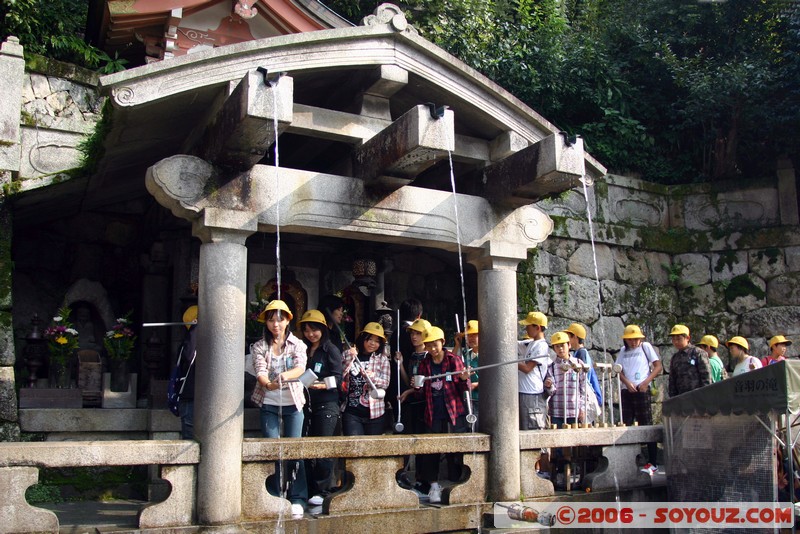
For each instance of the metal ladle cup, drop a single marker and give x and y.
(308, 378)
(418, 380)
(377, 393)
(330, 382)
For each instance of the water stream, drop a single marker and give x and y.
(478, 506)
(273, 83)
(586, 181)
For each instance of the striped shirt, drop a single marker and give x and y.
(571, 380)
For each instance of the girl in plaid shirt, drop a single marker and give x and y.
(444, 408)
(362, 414)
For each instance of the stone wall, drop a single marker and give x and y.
(723, 259)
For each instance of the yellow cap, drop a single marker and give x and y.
(632, 331)
(577, 329)
(679, 330)
(420, 325)
(433, 334)
(710, 341)
(738, 340)
(375, 329)
(537, 318)
(558, 338)
(779, 339)
(190, 315)
(275, 305)
(313, 316)
(472, 327)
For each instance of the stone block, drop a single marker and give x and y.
(547, 264)
(531, 484)
(7, 354)
(577, 297)
(9, 432)
(8, 395)
(792, 255)
(617, 469)
(257, 503)
(179, 508)
(703, 300)
(766, 321)
(658, 265)
(50, 398)
(767, 263)
(16, 515)
(584, 259)
(692, 269)
(374, 486)
(746, 293)
(473, 490)
(606, 334)
(616, 297)
(631, 266)
(727, 265)
(784, 290)
(119, 399)
(40, 85)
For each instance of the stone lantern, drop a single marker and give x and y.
(35, 351)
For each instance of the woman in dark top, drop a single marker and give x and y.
(326, 361)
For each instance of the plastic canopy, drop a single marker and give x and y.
(775, 387)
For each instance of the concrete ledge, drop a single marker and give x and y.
(259, 450)
(16, 515)
(94, 453)
(541, 439)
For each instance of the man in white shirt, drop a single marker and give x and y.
(535, 384)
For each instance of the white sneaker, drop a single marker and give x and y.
(316, 500)
(435, 494)
(297, 510)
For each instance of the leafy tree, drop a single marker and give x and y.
(55, 29)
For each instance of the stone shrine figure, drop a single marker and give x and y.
(88, 337)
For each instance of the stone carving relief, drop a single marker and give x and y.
(640, 211)
(48, 158)
(527, 226)
(391, 15)
(743, 212)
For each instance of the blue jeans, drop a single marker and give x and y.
(186, 411)
(296, 487)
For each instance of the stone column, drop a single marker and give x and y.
(219, 382)
(12, 77)
(499, 409)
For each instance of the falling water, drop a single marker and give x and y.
(584, 181)
(274, 85)
(458, 238)
(464, 305)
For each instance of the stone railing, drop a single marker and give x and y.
(20, 463)
(371, 462)
(617, 468)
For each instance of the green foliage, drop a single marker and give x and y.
(55, 29)
(674, 90)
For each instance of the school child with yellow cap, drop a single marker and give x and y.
(778, 346)
(709, 344)
(738, 347)
(565, 407)
(532, 373)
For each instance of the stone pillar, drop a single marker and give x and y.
(219, 382)
(12, 77)
(499, 409)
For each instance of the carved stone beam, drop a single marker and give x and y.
(240, 134)
(406, 148)
(386, 81)
(546, 168)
